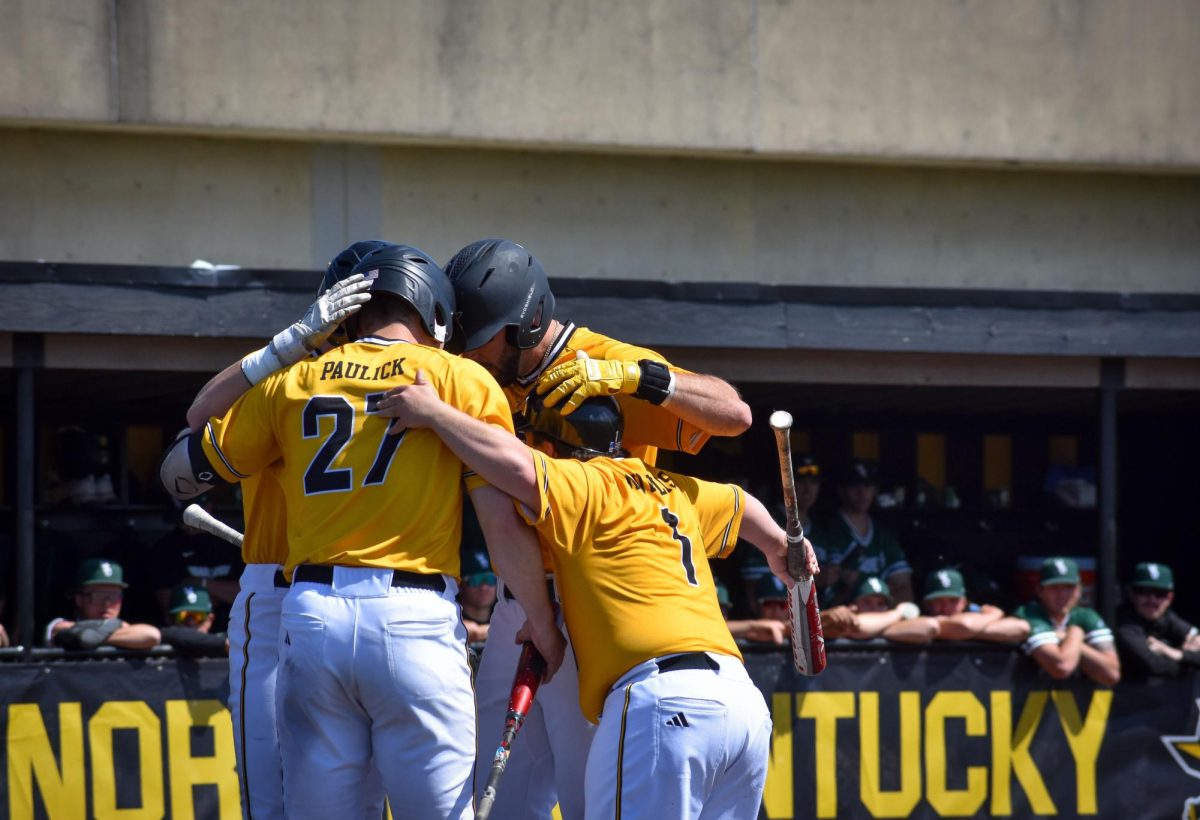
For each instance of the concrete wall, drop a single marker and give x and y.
(1103, 82)
(159, 199)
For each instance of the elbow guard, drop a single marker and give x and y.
(184, 470)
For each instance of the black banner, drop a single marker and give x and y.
(938, 733)
(953, 733)
(149, 738)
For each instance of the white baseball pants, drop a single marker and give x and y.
(680, 744)
(375, 674)
(253, 659)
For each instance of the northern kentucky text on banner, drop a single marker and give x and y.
(961, 733)
(938, 733)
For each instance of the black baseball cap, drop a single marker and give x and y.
(806, 467)
(858, 471)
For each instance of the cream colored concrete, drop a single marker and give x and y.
(55, 60)
(1103, 82)
(101, 198)
(169, 200)
(702, 220)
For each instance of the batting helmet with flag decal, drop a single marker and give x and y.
(412, 275)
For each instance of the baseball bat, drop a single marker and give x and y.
(196, 516)
(530, 668)
(808, 640)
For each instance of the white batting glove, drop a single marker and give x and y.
(315, 327)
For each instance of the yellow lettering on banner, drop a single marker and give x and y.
(1084, 737)
(953, 802)
(188, 770)
(1011, 755)
(826, 708)
(126, 714)
(890, 803)
(777, 794)
(30, 758)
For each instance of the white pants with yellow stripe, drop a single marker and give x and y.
(680, 737)
(253, 660)
(375, 676)
(550, 754)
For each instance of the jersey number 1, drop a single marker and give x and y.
(685, 546)
(318, 478)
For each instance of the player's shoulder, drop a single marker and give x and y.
(599, 346)
(1031, 611)
(1086, 618)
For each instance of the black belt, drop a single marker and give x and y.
(323, 574)
(688, 660)
(508, 593)
(280, 581)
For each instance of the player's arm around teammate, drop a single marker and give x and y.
(507, 463)
(708, 402)
(332, 307)
(517, 559)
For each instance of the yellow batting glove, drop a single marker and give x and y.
(584, 378)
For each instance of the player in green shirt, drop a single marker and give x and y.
(1064, 637)
(857, 546)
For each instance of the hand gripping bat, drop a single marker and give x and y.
(530, 668)
(198, 517)
(808, 641)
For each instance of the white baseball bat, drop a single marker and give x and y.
(198, 517)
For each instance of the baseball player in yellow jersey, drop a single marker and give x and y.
(254, 618)
(506, 323)
(372, 663)
(683, 732)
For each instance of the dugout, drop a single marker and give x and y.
(980, 391)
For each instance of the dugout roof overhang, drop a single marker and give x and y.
(73, 316)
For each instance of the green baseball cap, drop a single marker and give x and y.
(945, 583)
(1059, 571)
(770, 588)
(1150, 574)
(871, 585)
(100, 571)
(187, 598)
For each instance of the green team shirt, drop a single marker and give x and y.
(1044, 631)
(877, 553)
(753, 563)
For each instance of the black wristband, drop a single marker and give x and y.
(655, 384)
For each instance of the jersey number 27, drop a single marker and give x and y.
(319, 478)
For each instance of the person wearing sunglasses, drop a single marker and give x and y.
(190, 612)
(1152, 639)
(477, 593)
(99, 591)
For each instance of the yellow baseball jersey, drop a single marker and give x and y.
(630, 545)
(648, 427)
(355, 495)
(265, 512)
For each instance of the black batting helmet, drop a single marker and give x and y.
(343, 264)
(499, 284)
(411, 274)
(592, 429)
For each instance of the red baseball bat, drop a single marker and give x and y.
(530, 668)
(808, 639)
